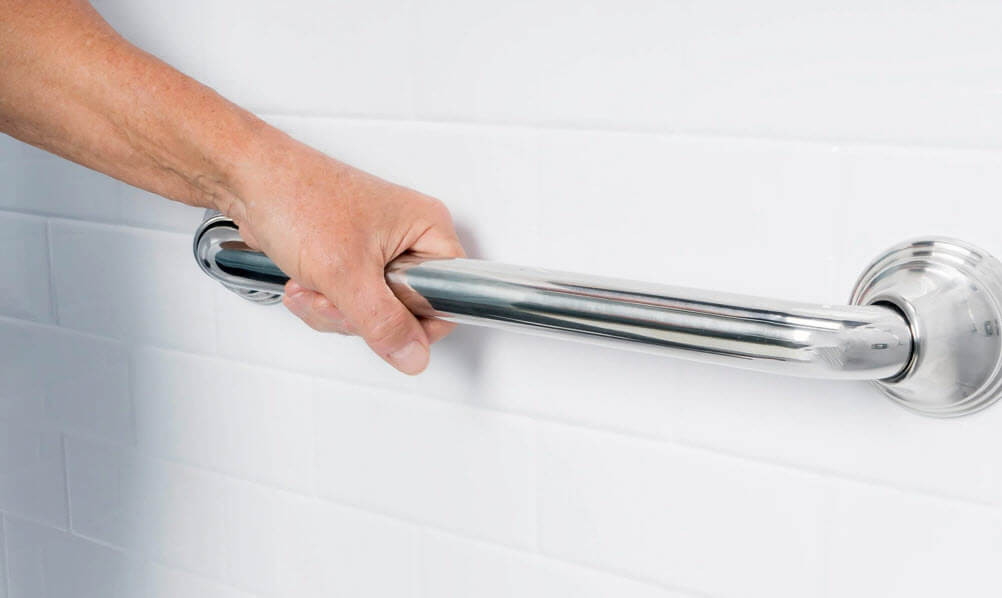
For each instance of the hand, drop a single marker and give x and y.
(333, 228)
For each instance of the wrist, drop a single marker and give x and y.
(250, 165)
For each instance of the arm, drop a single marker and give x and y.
(69, 84)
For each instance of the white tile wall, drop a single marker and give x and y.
(24, 260)
(32, 473)
(130, 284)
(167, 512)
(35, 182)
(162, 437)
(458, 468)
(64, 379)
(3, 560)
(47, 563)
(175, 32)
(651, 208)
(249, 536)
(834, 427)
(682, 514)
(333, 551)
(365, 49)
(457, 568)
(39, 183)
(240, 420)
(884, 543)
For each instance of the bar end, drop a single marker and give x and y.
(951, 294)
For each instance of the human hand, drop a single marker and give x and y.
(333, 228)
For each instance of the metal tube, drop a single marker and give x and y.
(860, 342)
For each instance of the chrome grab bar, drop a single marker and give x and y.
(923, 324)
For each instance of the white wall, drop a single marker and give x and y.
(161, 437)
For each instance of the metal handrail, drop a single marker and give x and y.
(923, 323)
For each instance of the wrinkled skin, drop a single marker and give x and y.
(71, 85)
(333, 229)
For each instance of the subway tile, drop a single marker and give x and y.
(86, 382)
(911, 74)
(451, 466)
(835, 427)
(44, 183)
(149, 210)
(131, 284)
(280, 544)
(23, 364)
(242, 534)
(41, 183)
(48, 563)
(679, 517)
(549, 62)
(4, 547)
(673, 211)
(894, 195)
(272, 336)
(175, 32)
(32, 482)
(11, 149)
(65, 379)
(322, 57)
(241, 420)
(888, 543)
(173, 514)
(458, 568)
(332, 551)
(24, 261)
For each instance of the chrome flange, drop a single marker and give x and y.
(216, 233)
(951, 294)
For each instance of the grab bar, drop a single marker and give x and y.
(923, 324)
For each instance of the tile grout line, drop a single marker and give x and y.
(6, 554)
(537, 497)
(135, 555)
(53, 300)
(30, 213)
(419, 527)
(848, 143)
(549, 558)
(828, 475)
(427, 398)
(66, 481)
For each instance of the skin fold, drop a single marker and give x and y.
(71, 85)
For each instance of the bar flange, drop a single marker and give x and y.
(951, 294)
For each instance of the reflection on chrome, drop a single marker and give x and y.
(923, 324)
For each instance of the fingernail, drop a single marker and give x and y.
(411, 359)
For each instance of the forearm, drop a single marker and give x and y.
(70, 85)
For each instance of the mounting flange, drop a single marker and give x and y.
(951, 294)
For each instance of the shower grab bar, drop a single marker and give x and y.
(923, 324)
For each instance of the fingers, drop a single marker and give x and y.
(375, 314)
(323, 316)
(358, 301)
(315, 310)
(436, 329)
(388, 327)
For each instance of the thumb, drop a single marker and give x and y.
(387, 326)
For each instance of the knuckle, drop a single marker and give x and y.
(438, 209)
(387, 324)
